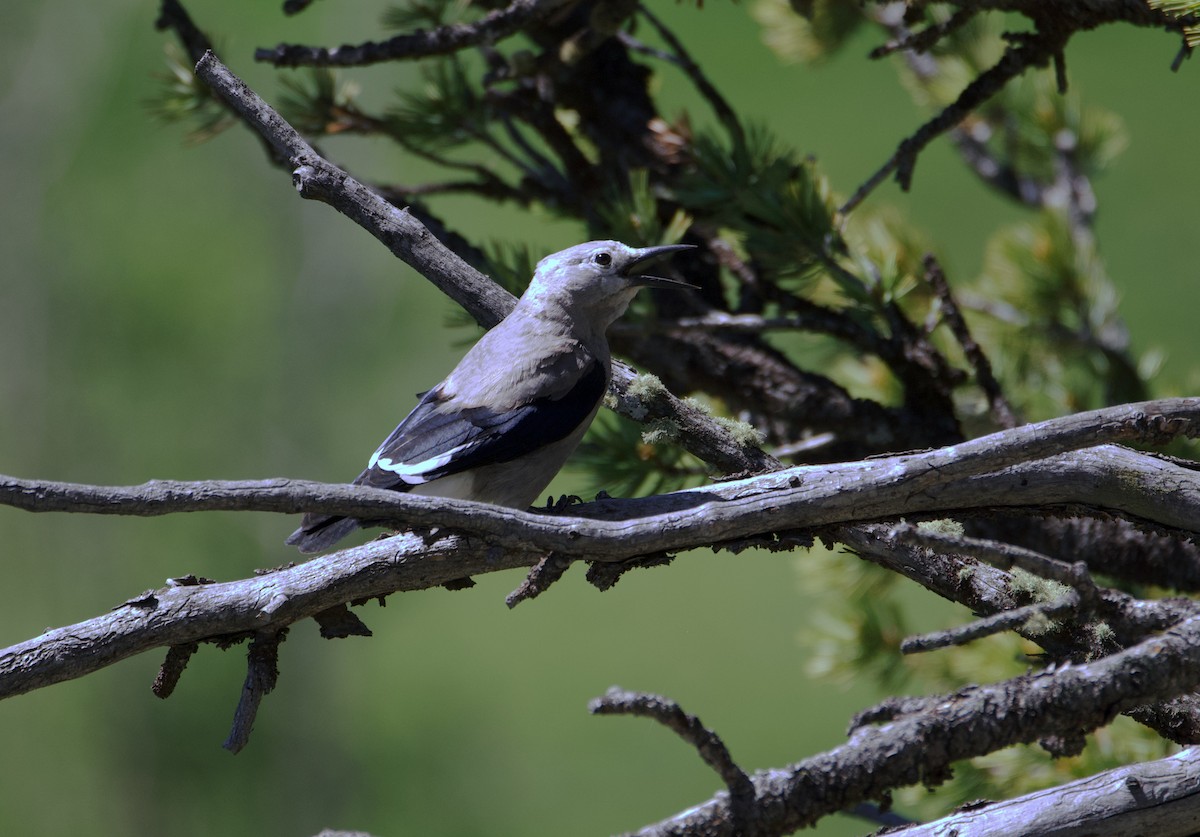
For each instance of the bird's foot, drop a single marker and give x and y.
(562, 503)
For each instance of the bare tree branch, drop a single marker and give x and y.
(172, 668)
(724, 112)
(981, 473)
(294, 7)
(1054, 24)
(317, 179)
(1006, 555)
(973, 474)
(178, 615)
(1133, 551)
(708, 744)
(172, 15)
(1035, 50)
(922, 41)
(443, 40)
(1066, 464)
(1157, 797)
(1009, 620)
(987, 590)
(1002, 413)
(919, 741)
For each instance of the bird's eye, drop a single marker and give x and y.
(603, 259)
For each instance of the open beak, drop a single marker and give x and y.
(646, 256)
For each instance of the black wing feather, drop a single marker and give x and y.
(485, 436)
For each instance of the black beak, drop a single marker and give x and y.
(647, 255)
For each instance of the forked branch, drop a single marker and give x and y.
(918, 741)
(1035, 465)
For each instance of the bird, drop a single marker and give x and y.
(500, 426)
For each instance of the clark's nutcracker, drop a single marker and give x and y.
(501, 425)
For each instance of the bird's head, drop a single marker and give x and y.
(596, 281)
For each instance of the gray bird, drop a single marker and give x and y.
(501, 425)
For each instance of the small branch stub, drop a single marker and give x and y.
(262, 672)
(300, 177)
(708, 744)
(338, 622)
(547, 571)
(172, 668)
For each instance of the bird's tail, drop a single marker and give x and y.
(319, 532)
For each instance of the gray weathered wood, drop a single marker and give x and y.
(1159, 798)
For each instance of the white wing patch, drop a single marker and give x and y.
(413, 473)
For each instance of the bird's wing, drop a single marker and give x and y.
(436, 440)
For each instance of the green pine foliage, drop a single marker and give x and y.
(626, 459)
(1182, 8)
(780, 206)
(631, 214)
(510, 264)
(1047, 124)
(317, 102)
(1046, 291)
(807, 31)
(447, 110)
(182, 99)
(423, 14)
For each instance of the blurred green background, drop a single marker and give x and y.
(169, 311)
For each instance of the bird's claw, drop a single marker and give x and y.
(555, 506)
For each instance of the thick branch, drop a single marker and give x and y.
(318, 179)
(921, 741)
(1023, 466)
(174, 616)
(997, 470)
(987, 590)
(1157, 797)
(1132, 552)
